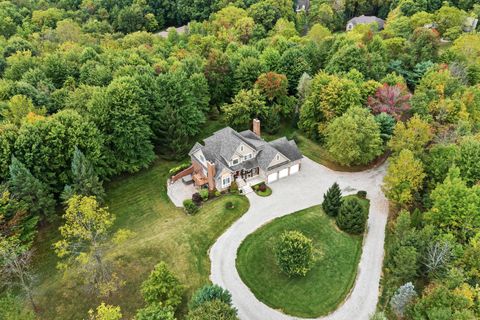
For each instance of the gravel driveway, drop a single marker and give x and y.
(291, 194)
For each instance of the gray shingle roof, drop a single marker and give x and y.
(221, 146)
(366, 20)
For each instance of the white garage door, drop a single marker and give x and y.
(272, 177)
(283, 173)
(294, 169)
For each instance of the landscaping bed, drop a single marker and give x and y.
(327, 283)
(262, 189)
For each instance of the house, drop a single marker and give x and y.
(244, 157)
(365, 20)
(470, 24)
(179, 30)
(302, 6)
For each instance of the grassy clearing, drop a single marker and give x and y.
(316, 151)
(328, 282)
(163, 232)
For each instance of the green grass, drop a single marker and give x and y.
(324, 287)
(315, 151)
(162, 232)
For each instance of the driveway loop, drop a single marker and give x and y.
(301, 191)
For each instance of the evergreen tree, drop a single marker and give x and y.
(30, 190)
(85, 180)
(332, 200)
(351, 216)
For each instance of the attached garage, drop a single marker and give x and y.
(283, 173)
(272, 177)
(294, 169)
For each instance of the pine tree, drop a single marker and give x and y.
(332, 200)
(351, 216)
(30, 190)
(85, 180)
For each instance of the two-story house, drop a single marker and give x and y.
(229, 155)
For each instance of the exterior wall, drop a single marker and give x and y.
(199, 156)
(239, 154)
(288, 165)
(225, 173)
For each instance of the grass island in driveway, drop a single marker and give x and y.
(327, 283)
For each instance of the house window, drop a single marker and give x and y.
(241, 148)
(248, 156)
(278, 157)
(235, 161)
(226, 181)
(201, 158)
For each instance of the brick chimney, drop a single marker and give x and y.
(256, 127)
(211, 175)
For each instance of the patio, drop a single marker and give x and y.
(179, 191)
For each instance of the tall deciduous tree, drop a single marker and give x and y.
(85, 236)
(245, 106)
(412, 135)
(30, 190)
(455, 207)
(15, 266)
(354, 138)
(394, 100)
(404, 177)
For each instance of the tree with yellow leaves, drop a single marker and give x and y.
(404, 177)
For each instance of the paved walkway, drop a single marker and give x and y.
(291, 194)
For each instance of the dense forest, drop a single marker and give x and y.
(90, 91)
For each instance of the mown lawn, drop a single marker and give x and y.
(162, 232)
(328, 282)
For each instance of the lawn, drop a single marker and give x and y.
(324, 287)
(316, 152)
(162, 232)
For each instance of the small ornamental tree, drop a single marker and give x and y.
(105, 312)
(162, 287)
(394, 100)
(155, 312)
(294, 253)
(351, 216)
(402, 298)
(332, 200)
(208, 293)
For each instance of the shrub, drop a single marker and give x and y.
(204, 194)
(262, 187)
(294, 253)
(332, 200)
(213, 310)
(229, 205)
(162, 287)
(362, 194)
(155, 311)
(208, 293)
(234, 187)
(352, 216)
(179, 168)
(217, 193)
(190, 206)
(197, 198)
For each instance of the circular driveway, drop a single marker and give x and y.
(291, 194)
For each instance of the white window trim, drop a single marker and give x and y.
(228, 183)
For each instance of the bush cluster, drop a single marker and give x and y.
(190, 206)
(173, 171)
(294, 253)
